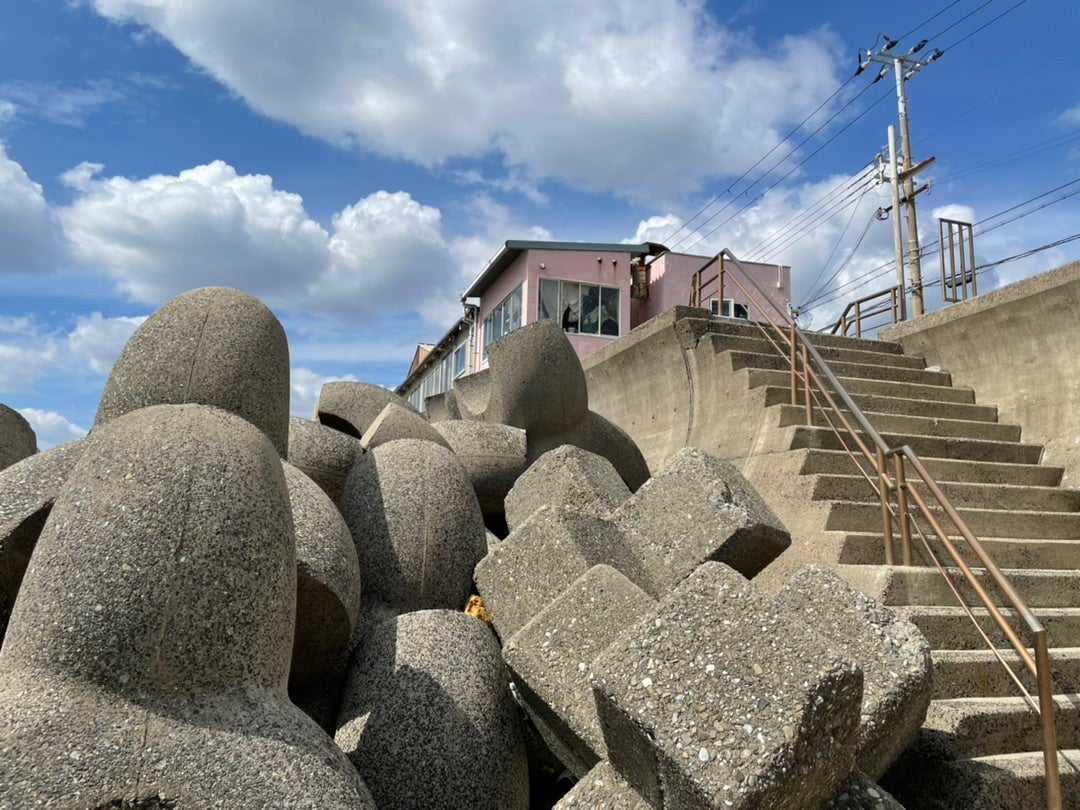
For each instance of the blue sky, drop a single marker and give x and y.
(355, 164)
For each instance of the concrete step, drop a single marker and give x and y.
(951, 627)
(866, 371)
(927, 446)
(872, 403)
(947, 470)
(916, 585)
(852, 516)
(728, 326)
(868, 548)
(978, 673)
(998, 782)
(971, 727)
(908, 424)
(857, 387)
(833, 355)
(960, 494)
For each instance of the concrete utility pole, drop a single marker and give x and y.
(905, 66)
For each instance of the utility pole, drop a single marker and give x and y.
(905, 66)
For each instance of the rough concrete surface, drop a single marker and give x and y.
(493, 455)
(214, 346)
(428, 719)
(417, 525)
(892, 653)
(17, 438)
(549, 659)
(566, 476)
(397, 422)
(536, 562)
(150, 643)
(351, 407)
(323, 454)
(718, 699)
(327, 580)
(698, 509)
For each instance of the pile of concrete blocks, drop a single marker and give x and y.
(207, 602)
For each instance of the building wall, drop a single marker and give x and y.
(671, 279)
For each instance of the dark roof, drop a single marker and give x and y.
(512, 248)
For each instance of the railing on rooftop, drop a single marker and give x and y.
(820, 388)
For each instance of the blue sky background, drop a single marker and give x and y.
(355, 164)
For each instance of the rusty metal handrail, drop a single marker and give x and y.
(893, 306)
(798, 344)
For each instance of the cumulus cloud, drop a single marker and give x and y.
(51, 427)
(640, 96)
(27, 244)
(98, 340)
(388, 253)
(21, 365)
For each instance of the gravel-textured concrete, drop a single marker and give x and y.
(719, 699)
(536, 381)
(417, 525)
(27, 492)
(327, 580)
(549, 659)
(860, 792)
(351, 407)
(428, 720)
(566, 476)
(699, 508)
(150, 644)
(17, 438)
(323, 454)
(397, 422)
(493, 455)
(442, 407)
(893, 654)
(536, 562)
(215, 346)
(598, 435)
(602, 788)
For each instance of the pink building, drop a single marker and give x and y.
(596, 291)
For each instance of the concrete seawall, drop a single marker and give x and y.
(1019, 348)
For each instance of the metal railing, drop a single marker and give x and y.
(863, 313)
(821, 386)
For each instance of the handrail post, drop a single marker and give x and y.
(794, 366)
(902, 507)
(806, 385)
(720, 284)
(883, 492)
(1046, 721)
(695, 290)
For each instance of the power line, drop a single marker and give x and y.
(984, 25)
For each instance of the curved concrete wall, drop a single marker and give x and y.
(1019, 348)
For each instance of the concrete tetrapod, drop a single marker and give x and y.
(149, 647)
(27, 492)
(351, 406)
(327, 580)
(214, 346)
(323, 454)
(417, 525)
(493, 455)
(17, 438)
(428, 720)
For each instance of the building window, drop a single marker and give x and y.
(459, 361)
(586, 309)
(731, 309)
(503, 319)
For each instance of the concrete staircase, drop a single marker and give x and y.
(980, 745)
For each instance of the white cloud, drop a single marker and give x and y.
(22, 365)
(640, 96)
(1071, 116)
(387, 253)
(304, 388)
(98, 340)
(957, 213)
(68, 106)
(51, 427)
(27, 244)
